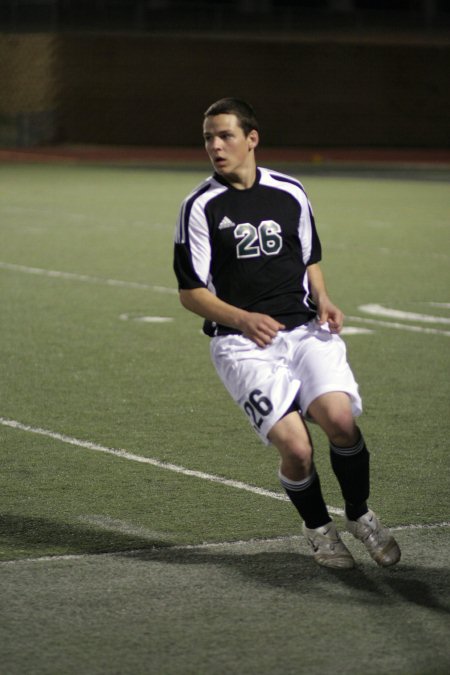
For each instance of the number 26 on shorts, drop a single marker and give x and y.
(257, 407)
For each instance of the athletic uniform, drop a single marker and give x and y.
(252, 248)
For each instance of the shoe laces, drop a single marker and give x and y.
(373, 532)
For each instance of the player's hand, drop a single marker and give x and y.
(260, 328)
(329, 313)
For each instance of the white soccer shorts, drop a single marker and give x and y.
(297, 367)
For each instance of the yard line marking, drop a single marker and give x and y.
(445, 305)
(122, 527)
(421, 526)
(353, 330)
(72, 276)
(124, 454)
(379, 310)
(193, 547)
(145, 319)
(400, 326)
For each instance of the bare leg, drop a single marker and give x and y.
(297, 473)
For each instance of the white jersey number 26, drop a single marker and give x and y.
(255, 241)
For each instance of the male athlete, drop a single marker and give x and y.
(247, 260)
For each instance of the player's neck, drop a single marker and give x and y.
(244, 178)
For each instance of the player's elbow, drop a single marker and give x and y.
(185, 298)
(182, 296)
(196, 300)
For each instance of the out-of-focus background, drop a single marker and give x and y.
(332, 73)
(143, 529)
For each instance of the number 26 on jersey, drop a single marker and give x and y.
(256, 241)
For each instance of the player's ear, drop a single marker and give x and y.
(253, 139)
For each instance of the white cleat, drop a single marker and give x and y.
(376, 538)
(327, 547)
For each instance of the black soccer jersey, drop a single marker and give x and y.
(250, 247)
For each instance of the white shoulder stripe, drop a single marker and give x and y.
(180, 231)
(199, 197)
(281, 181)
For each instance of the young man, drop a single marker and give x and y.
(247, 260)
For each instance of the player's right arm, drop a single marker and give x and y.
(260, 328)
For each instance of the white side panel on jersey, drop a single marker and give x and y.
(199, 242)
(180, 229)
(199, 239)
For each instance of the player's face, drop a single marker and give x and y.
(229, 149)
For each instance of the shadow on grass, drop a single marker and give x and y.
(33, 536)
(294, 572)
(298, 573)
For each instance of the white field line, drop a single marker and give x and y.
(399, 326)
(72, 276)
(444, 305)
(379, 310)
(124, 454)
(374, 309)
(195, 547)
(122, 527)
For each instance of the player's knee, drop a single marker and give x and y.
(293, 443)
(297, 453)
(296, 457)
(334, 414)
(296, 467)
(342, 430)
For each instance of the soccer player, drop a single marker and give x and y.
(247, 259)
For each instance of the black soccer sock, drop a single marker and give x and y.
(306, 496)
(351, 468)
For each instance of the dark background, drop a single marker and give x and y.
(335, 73)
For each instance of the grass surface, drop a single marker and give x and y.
(253, 608)
(78, 360)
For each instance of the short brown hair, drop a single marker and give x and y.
(234, 106)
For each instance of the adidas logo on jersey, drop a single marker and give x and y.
(226, 222)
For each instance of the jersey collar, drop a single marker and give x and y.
(220, 179)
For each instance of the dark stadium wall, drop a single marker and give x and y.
(29, 89)
(143, 89)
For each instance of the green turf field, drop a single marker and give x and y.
(142, 526)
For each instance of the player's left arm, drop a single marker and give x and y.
(327, 311)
